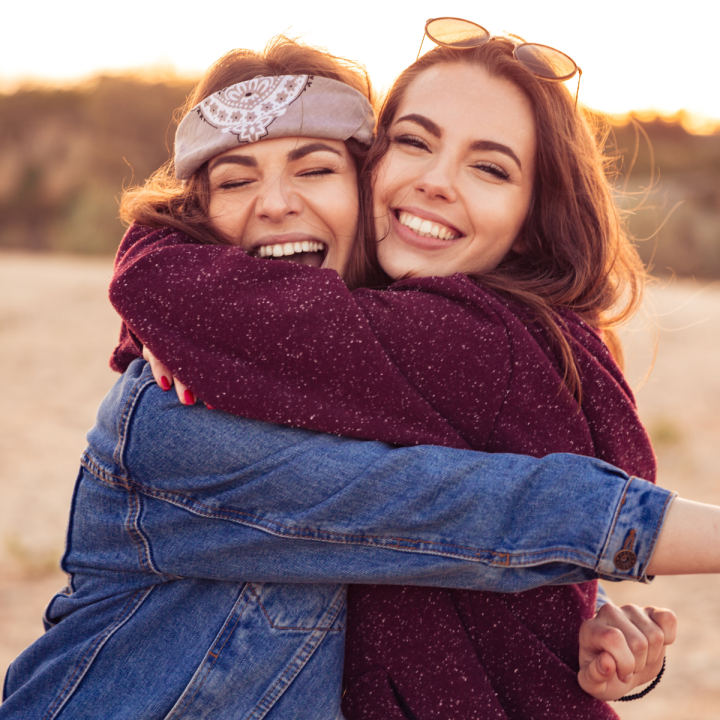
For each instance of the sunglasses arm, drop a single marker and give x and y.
(577, 90)
(420, 50)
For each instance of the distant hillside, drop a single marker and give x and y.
(673, 192)
(65, 156)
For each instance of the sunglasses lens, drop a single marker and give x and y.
(454, 32)
(545, 61)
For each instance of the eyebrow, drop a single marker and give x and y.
(246, 160)
(301, 152)
(424, 122)
(296, 154)
(436, 131)
(497, 147)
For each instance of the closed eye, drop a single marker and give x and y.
(410, 141)
(316, 172)
(232, 184)
(492, 169)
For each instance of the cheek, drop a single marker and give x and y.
(228, 217)
(390, 175)
(339, 209)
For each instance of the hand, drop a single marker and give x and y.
(165, 380)
(623, 647)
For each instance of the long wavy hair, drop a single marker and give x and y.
(577, 252)
(165, 201)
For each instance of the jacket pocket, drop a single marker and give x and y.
(301, 607)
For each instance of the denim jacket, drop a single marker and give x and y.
(207, 553)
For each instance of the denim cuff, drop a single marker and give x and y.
(639, 519)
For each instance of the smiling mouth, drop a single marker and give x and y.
(307, 252)
(426, 228)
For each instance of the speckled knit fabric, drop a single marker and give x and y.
(432, 360)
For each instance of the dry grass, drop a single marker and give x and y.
(57, 331)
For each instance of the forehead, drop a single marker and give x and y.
(281, 150)
(467, 101)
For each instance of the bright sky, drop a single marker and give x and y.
(635, 54)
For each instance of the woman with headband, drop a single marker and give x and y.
(158, 520)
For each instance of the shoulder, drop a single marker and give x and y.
(139, 237)
(442, 299)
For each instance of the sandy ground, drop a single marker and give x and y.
(57, 330)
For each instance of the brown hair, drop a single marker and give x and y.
(164, 201)
(577, 254)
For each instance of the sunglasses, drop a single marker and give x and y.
(541, 60)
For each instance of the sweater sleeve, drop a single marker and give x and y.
(275, 341)
(137, 243)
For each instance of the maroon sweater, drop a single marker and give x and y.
(433, 361)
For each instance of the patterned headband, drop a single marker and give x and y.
(270, 107)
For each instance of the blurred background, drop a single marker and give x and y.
(87, 95)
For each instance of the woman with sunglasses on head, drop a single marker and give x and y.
(554, 245)
(377, 400)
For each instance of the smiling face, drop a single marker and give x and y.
(292, 198)
(455, 186)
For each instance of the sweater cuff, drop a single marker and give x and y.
(638, 522)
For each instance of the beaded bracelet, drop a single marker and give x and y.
(643, 693)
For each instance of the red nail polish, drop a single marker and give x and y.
(164, 383)
(189, 398)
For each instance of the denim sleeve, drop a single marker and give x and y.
(223, 497)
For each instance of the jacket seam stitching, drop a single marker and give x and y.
(82, 665)
(256, 522)
(241, 602)
(132, 526)
(301, 659)
(615, 521)
(289, 627)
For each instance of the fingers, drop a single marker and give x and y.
(595, 676)
(185, 395)
(656, 628)
(611, 631)
(649, 672)
(622, 648)
(634, 636)
(666, 620)
(162, 375)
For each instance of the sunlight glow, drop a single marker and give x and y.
(632, 54)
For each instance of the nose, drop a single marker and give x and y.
(437, 181)
(276, 200)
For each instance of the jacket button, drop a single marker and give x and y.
(624, 559)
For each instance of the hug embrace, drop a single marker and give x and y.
(404, 451)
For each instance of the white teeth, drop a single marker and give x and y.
(285, 249)
(426, 228)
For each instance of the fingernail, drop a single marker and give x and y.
(189, 398)
(209, 407)
(627, 679)
(164, 383)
